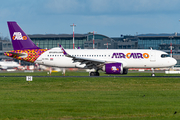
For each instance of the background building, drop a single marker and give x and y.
(51, 40)
(5, 45)
(66, 40)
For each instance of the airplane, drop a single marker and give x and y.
(111, 61)
(8, 64)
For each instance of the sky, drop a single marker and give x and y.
(112, 18)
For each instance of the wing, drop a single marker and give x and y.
(89, 63)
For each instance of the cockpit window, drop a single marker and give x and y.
(164, 55)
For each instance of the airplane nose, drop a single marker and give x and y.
(174, 61)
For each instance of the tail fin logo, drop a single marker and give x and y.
(18, 36)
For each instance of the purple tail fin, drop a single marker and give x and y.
(19, 38)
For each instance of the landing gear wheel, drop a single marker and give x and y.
(94, 74)
(153, 74)
(97, 73)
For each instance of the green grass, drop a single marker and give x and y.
(89, 98)
(82, 73)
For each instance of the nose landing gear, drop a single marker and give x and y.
(153, 74)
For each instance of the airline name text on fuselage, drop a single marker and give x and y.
(131, 55)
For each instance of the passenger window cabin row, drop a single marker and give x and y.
(79, 55)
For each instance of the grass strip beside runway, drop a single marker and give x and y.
(81, 73)
(90, 98)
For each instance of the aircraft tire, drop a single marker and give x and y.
(153, 74)
(94, 73)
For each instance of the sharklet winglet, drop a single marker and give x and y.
(64, 52)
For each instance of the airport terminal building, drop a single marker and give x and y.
(66, 40)
(85, 41)
(5, 45)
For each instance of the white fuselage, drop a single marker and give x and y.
(131, 58)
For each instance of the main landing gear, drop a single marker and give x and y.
(94, 74)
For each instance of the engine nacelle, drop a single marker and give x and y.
(113, 68)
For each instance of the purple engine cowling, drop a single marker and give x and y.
(113, 68)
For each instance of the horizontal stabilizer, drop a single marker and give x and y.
(17, 54)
